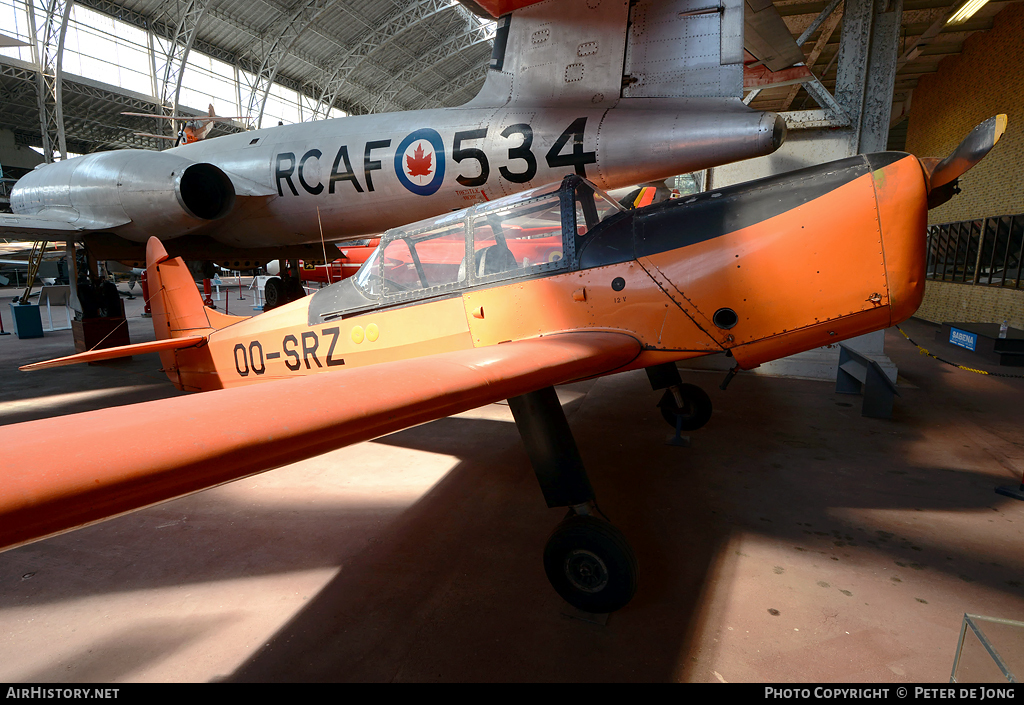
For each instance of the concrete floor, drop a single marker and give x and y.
(794, 541)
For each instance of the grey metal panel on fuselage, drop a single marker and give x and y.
(681, 49)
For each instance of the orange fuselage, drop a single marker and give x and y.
(800, 260)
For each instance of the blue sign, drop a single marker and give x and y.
(963, 339)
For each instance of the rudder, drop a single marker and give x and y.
(178, 308)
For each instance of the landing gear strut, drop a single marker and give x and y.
(685, 407)
(587, 560)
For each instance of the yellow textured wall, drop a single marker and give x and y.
(985, 79)
(947, 302)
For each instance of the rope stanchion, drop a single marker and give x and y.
(953, 364)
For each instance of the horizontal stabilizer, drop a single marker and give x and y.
(119, 351)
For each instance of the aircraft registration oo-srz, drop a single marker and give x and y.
(499, 301)
(555, 101)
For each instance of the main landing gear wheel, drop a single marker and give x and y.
(273, 293)
(590, 564)
(695, 411)
(278, 291)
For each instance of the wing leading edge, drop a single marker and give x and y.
(173, 447)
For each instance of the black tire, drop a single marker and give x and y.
(696, 409)
(273, 293)
(590, 564)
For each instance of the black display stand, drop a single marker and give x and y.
(1008, 351)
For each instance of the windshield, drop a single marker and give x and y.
(366, 276)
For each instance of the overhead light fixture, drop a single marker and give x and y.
(966, 11)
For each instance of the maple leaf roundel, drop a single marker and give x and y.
(419, 162)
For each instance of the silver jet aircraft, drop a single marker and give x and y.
(620, 93)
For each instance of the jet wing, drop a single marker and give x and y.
(52, 226)
(55, 481)
(37, 227)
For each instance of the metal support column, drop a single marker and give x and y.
(49, 40)
(867, 60)
(176, 57)
(866, 73)
(286, 34)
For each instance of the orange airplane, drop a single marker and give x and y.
(500, 301)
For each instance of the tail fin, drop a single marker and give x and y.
(178, 309)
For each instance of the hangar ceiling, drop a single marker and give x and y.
(921, 50)
(363, 56)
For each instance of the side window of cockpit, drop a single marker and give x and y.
(519, 240)
(426, 262)
(442, 254)
(398, 270)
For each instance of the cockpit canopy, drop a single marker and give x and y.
(526, 234)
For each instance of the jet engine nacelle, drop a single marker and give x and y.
(142, 193)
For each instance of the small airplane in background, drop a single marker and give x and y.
(193, 128)
(503, 300)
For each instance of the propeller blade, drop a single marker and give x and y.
(971, 151)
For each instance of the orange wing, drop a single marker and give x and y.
(173, 447)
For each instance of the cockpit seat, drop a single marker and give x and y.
(494, 259)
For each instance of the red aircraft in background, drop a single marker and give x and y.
(352, 258)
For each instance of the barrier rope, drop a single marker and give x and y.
(959, 367)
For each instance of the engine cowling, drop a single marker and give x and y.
(133, 193)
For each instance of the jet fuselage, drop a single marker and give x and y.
(364, 174)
